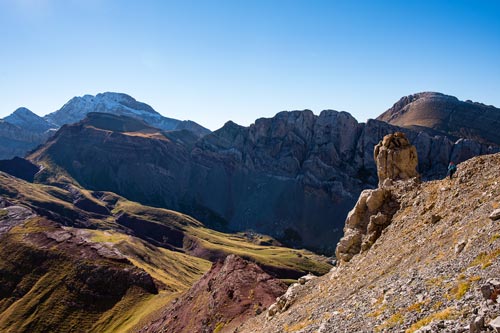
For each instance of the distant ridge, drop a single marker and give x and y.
(23, 130)
(439, 113)
(119, 104)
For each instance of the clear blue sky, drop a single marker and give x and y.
(211, 61)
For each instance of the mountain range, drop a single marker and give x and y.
(308, 169)
(23, 130)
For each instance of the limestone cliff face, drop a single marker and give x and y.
(294, 176)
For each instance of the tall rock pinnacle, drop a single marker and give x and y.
(396, 159)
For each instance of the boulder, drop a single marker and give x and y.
(495, 324)
(306, 278)
(477, 324)
(491, 289)
(460, 246)
(495, 215)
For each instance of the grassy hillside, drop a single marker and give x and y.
(85, 261)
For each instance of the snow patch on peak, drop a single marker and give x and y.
(119, 104)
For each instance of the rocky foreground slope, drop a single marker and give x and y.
(434, 268)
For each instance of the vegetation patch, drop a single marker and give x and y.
(459, 290)
(494, 238)
(485, 259)
(394, 320)
(445, 314)
(219, 327)
(416, 307)
(298, 326)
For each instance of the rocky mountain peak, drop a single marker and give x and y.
(27, 120)
(437, 113)
(109, 102)
(119, 104)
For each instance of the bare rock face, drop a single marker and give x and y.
(396, 159)
(231, 292)
(365, 222)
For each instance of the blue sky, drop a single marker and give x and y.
(212, 61)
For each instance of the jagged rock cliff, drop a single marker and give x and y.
(435, 268)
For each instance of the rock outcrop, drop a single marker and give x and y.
(231, 292)
(284, 301)
(396, 160)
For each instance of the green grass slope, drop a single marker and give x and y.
(87, 261)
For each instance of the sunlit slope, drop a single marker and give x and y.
(86, 261)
